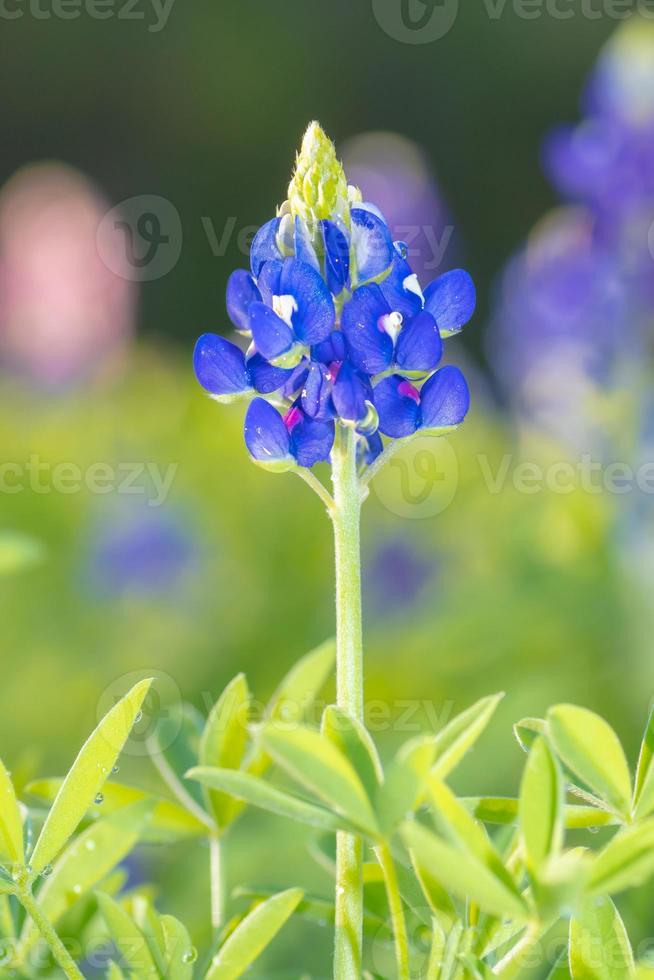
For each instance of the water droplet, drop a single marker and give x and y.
(594, 830)
(190, 955)
(115, 770)
(402, 249)
(77, 889)
(99, 798)
(90, 845)
(47, 870)
(138, 716)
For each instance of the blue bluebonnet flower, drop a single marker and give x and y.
(337, 324)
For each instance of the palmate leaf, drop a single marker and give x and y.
(462, 873)
(314, 761)
(599, 945)
(252, 935)
(174, 748)
(87, 776)
(259, 793)
(129, 940)
(86, 862)
(592, 751)
(404, 782)
(223, 744)
(169, 820)
(11, 825)
(504, 810)
(356, 744)
(541, 806)
(643, 801)
(626, 862)
(460, 734)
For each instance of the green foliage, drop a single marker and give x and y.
(464, 887)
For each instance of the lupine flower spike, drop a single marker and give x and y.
(340, 332)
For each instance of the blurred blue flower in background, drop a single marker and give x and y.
(396, 576)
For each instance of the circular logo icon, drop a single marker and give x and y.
(156, 712)
(416, 21)
(141, 238)
(420, 480)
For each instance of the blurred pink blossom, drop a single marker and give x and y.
(63, 313)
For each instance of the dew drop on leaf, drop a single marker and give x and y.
(99, 799)
(190, 955)
(47, 870)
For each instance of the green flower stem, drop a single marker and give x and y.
(60, 953)
(346, 518)
(398, 921)
(217, 882)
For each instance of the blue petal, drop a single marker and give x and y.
(332, 349)
(349, 394)
(398, 407)
(451, 299)
(369, 346)
(220, 366)
(304, 250)
(374, 447)
(268, 280)
(241, 292)
(314, 317)
(444, 399)
(419, 346)
(311, 442)
(316, 392)
(395, 288)
(264, 246)
(337, 257)
(272, 335)
(371, 243)
(296, 379)
(265, 377)
(265, 433)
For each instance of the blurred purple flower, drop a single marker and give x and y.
(144, 552)
(396, 577)
(63, 313)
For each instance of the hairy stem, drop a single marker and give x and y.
(398, 921)
(61, 955)
(349, 688)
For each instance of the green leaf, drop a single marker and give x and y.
(169, 820)
(85, 862)
(128, 938)
(627, 861)
(223, 744)
(253, 935)
(114, 972)
(643, 802)
(320, 910)
(311, 759)
(404, 782)
(460, 734)
(528, 730)
(179, 952)
(356, 744)
(462, 872)
(174, 748)
(592, 750)
(541, 806)
(87, 776)
(261, 794)
(504, 810)
(11, 825)
(599, 945)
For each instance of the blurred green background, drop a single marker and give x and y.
(488, 591)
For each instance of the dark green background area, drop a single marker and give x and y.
(207, 113)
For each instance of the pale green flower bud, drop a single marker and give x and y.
(319, 188)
